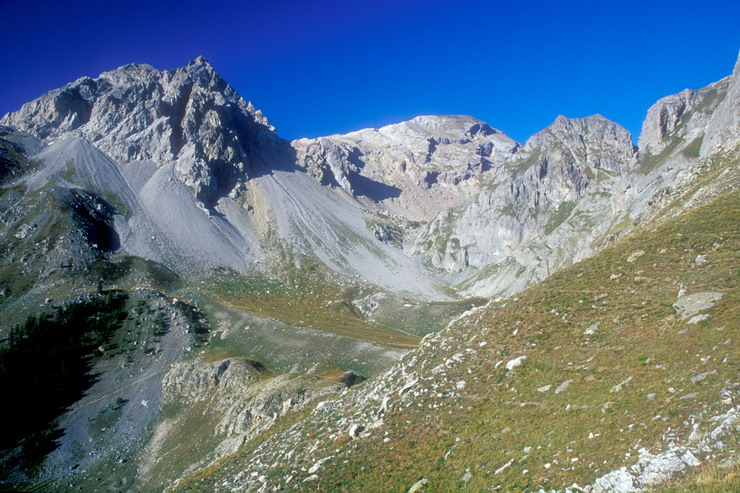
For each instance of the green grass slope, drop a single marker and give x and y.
(610, 368)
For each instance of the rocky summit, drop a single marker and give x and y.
(190, 302)
(189, 116)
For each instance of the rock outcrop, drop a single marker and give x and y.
(188, 116)
(231, 400)
(241, 392)
(196, 380)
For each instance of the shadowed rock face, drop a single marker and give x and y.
(189, 116)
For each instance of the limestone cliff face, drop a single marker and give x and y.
(531, 195)
(576, 185)
(710, 116)
(594, 142)
(414, 169)
(662, 119)
(189, 116)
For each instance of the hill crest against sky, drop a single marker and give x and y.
(333, 67)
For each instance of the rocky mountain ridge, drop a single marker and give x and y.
(574, 187)
(452, 191)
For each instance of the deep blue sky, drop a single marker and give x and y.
(323, 67)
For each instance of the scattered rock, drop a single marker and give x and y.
(544, 388)
(691, 304)
(690, 459)
(319, 463)
(619, 480)
(697, 318)
(502, 468)
(635, 255)
(350, 378)
(650, 471)
(515, 362)
(407, 386)
(592, 329)
(621, 384)
(563, 386)
(24, 231)
(355, 430)
(418, 485)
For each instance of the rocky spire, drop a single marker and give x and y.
(710, 113)
(188, 116)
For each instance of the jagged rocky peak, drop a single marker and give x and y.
(424, 165)
(709, 114)
(188, 116)
(662, 119)
(594, 141)
(558, 163)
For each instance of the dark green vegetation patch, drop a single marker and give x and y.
(45, 364)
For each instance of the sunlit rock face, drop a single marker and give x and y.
(415, 168)
(538, 186)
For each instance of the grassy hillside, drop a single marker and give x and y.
(610, 368)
